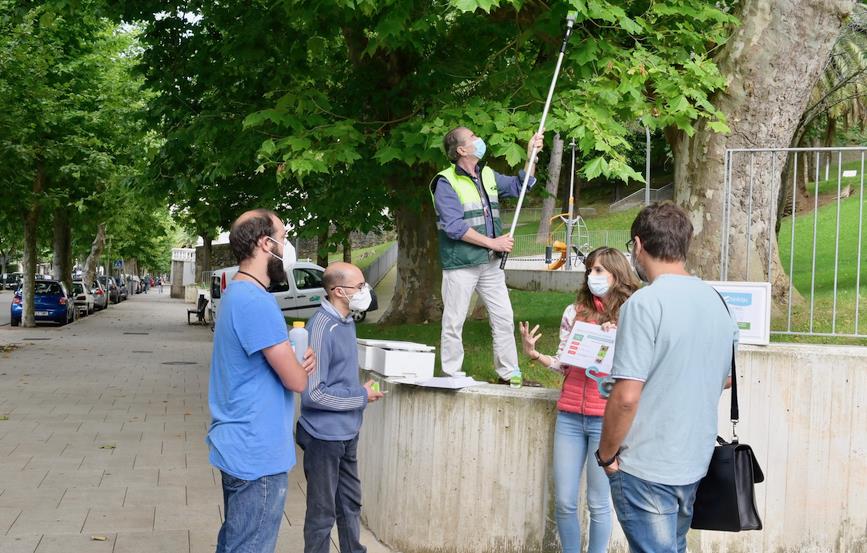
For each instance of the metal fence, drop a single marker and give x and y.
(807, 205)
(532, 215)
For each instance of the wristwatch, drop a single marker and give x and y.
(603, 463)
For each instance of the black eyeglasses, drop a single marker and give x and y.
(357, 288)
(629, 245)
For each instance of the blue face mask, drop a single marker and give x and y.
(479, 144)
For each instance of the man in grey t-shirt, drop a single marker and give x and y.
(671, 363)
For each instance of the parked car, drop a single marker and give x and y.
(51, 303)
(10, 281)
(109, 284)
(122, 288)
(298, 299)
(100, 296)
(84, 300)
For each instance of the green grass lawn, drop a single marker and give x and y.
(829, 185)
(621, 220)
(818, 287)
(602, 220)
(362, 257)
(543, 308)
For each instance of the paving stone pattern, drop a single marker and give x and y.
(101, 441)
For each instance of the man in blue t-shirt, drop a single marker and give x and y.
(673, 358)
(331, 413)
(254, 373)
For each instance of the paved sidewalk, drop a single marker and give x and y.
(102, 425)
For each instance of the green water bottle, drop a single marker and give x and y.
(517, 381)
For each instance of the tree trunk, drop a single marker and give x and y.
(576, 194)
(322, 247)
(92, 260)
(763, 102)
(347, 248)
(31, 227)
(206, 255)
(550, 202)
(830, 131)
(62, 260)
(419, 274)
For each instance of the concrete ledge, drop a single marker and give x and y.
(459, 471)
(469, 471)
(192, 292)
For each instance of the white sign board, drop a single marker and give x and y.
(750, 304)
(852, 173)
(589, 347)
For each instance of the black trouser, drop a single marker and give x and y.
(333, 493)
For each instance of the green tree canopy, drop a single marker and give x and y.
(345, 103)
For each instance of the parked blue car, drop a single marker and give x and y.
(51, 303)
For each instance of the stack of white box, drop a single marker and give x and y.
(392, 358)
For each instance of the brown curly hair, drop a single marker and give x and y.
(625, 283)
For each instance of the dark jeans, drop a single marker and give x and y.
(333, 493)
(253, 510)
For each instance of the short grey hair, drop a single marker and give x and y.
(451, 141)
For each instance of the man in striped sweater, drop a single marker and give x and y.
(331, 413)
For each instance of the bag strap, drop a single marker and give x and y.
(734, 411)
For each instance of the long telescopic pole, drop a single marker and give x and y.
(570, 21)
(570, 223)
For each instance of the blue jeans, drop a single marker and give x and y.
(333, 493)
(655, 517)
(253, 511)
(576, 439)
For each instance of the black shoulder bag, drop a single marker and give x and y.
(725, 500)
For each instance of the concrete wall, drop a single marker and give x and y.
(466, 471)
(375, 272)
(542, 280)
(221, 256)
(308, 247)
(469, 471)
(177, 288)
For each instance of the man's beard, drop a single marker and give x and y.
(639, 270)
(276, 273)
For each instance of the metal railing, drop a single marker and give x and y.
(819, 195)
(640, 197)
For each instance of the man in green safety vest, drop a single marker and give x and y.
(466, 197)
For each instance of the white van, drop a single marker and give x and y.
(298, 299)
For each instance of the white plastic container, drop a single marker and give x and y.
(398, 359)
(298, 339)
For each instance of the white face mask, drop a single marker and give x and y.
(360, 301)
(288, 258)
(598, 285)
